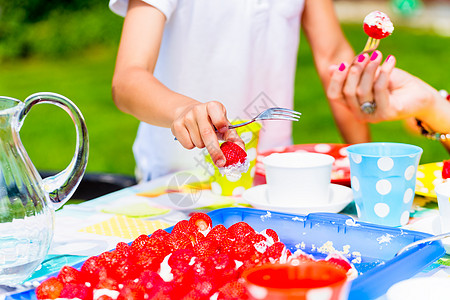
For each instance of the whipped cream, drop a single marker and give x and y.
(235, 171)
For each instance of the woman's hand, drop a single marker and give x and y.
(195, 126)
(396, 93)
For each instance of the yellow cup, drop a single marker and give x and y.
(231, 185)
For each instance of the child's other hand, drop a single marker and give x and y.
(195, 127)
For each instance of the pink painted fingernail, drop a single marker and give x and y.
(361, 58)
(342, 67)
(374, 56)
(389, 56)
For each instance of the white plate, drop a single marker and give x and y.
(340, 197)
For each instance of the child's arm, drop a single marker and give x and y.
(136, 91)
(329, 47)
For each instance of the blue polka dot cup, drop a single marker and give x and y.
(383, 180)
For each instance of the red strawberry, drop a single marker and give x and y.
(272, 234)
(375, 32)
(233, 153)
(233, 290)
(446, 169)
(184, 227)
(226, 246)
(148, 260)
(274, 252)
(159, 248)
(123, 250)
(107, 259)
(69, 275)
(104, 297)
(150, 280)
(180, 256)
(132, 290)
(163, 292)
(159, 235)
(203, 289)
(240, 230)
(91, 268)
(206, 248)
(201, 220)
(218, 233)
(49, 289)
(256, 238)
(140, 242)
(339, 261)
(242, 250)
(107, 283)
(203, 268)
(73, 290)
(179, 240)
(183, 279)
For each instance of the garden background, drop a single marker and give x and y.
(69, 47)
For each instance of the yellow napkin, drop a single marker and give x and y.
(124, 227)
(192, 187)
(136, 210)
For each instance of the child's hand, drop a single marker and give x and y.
(195, 127)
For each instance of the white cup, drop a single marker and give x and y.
(443, 196)
(298, 178)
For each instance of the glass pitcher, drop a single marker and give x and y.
(27, 202)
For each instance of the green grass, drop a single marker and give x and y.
(48, 134)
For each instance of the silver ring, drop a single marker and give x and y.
(368, 107)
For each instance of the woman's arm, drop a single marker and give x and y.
(398, 95)
(329, 47)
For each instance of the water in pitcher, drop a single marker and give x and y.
(24, 243)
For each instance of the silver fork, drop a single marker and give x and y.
(422, 241)
(273, 113)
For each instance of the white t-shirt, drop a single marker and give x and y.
(242, 53)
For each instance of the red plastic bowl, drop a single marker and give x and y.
(309, 281)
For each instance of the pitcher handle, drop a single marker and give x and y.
(60, 187)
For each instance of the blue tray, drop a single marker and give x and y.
(379, 267)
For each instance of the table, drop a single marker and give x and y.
(95, 226)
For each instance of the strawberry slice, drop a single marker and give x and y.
(233, 153)
(446, 169)
(201, 220)
(49, 289)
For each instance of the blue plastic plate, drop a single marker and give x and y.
(375, 245)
